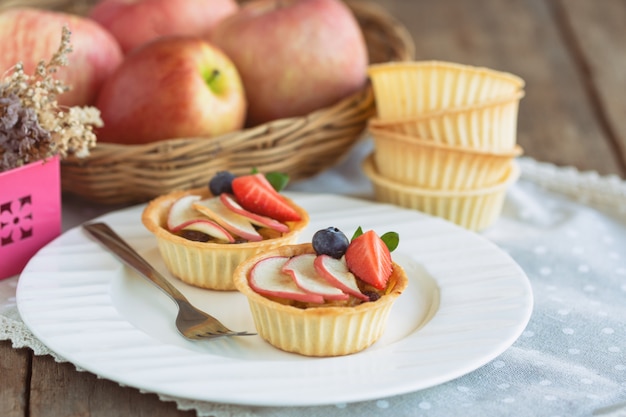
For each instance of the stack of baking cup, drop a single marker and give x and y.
(444, 139)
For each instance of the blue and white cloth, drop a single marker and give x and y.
(567, 230)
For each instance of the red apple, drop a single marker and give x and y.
(31, 35)
(135, 22)
(174, 86)
(294, 56)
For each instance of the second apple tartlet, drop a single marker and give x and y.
(203, 234)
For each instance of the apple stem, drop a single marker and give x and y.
(214, 74)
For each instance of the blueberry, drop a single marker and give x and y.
(222, 182)
(330, 241)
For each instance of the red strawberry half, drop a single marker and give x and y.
(255, 193)
(369, 259)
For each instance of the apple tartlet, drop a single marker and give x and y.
(204, 233)
(316, 304)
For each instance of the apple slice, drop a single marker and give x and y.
(336, 272)
(233, 222)
(207, 227)
(264, 221)
(267, 278)
(302, 269)
(182, 211)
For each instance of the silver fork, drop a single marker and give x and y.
(190, 322)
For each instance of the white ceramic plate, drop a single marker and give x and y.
(466, 303)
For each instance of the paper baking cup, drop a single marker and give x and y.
(491, 126)
(472, 209)
(207, 264)
(317, 331)
(409, 89)
(427, 164)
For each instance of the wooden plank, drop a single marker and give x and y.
(14, 370)
(556, 121)
(571, 54)
(598, 34)
(60, 390)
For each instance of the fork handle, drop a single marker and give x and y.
(107, 236)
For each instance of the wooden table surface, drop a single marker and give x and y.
(572, 55)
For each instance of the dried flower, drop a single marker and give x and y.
(33, 126)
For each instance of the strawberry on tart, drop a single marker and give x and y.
(330, 297)
(204, 233)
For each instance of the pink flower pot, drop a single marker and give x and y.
(30, 212)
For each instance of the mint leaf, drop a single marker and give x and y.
(391, 239)
(278, 180)
(358, 232)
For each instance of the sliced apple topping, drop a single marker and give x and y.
(302, 269)
(210, 228)
(182, 212)
(231, 221)
(336, 272)
(182, 216)
(267, 278)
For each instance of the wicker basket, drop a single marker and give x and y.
(300, 147)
